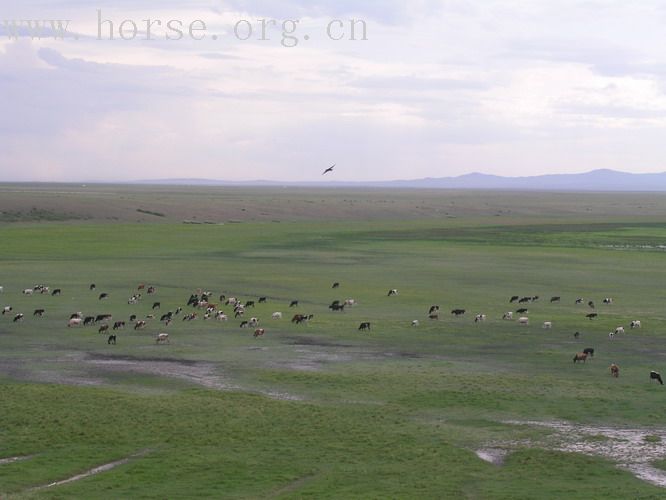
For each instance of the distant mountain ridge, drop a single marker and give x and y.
(596, 180)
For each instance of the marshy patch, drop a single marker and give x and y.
(495, 456)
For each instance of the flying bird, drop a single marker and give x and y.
(329, 169)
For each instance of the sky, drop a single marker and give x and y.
(438, 88)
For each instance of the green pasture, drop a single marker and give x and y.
(321, 409)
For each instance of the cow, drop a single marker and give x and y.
(140, 325)
(522, 311)
(547, 325)
(591, 304)
(364, 326)
(103, 317)
(523, 320)
(263, 300)
(293, 303)
(39, 312)
(231, 301)
(89, 320)
(656, 376)
(635, 324)
(619, 329)
(581, 356)
(579, 300)
(254, 322)
(615, 370)
(337, 307)
(554, 299)
(223, 298)
(608, 300)
(78, 314)
(276, 315)
(7, 309)
(162, 338)
(92, 287)
(18, 317)
(392, 292)
(301, 318)
(415, 322)
(220, 316)
(249, 303)
(611, 335)
(244, 324)
(535, 298)
(141, 286)
(524, 300)
(433, 309)
(336, 285)
(57, 291)
(103, 329)
(133, 300)
(103, 296)
(576, 335)
(2, 289)
(151, 290)
(111, 339)
(118, 325)
(479, 317)
(458, 312)
(434, 315)
(589, 351)
(513, 299)
(74, 322)
(591, 315)
(508, 315)
(156, 305)
(350, 302)
(167, 316)
(28, 291)
(259, 332)
(132, 318)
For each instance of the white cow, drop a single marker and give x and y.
(619, 329)
(220, 316)
(350, 302)
(74, 322)
(28, 291)
(276, 315)
(524, 320)
(2, 289)
(548, 324)
(415, 322)
(6, 309)
(162, 338)
(611, 335)
(608, 300)
(508, 315)
(635, 324)
(479, 317)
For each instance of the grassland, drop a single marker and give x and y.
(322, 410)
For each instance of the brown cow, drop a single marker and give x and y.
(259, 332)
(615, 370)
(581, 356)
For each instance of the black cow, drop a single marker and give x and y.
(336, 285)
(458, 312)
(579, 301)
(167, 316)
(38, 312)
(103, 317)
(433, 309)
(18, 317)
(57, 291)
(244, 324)
(591, 315)
(521, 311)
(132, 318)
(262, 300)
(554, 299)
(294, 303)
(589, 351)
(576, 335)
(364, 326)
(92, 286)
(88, 320)
(118, 324)
(591, 304)
(156, 305)
(524, 300)
(656, 376)
(249, 303)
(103, 296)
(337, 307)
(111, 339)
(513, 299)
(535, 298)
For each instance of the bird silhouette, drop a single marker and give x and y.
(329, 169)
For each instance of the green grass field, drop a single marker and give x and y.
(321, 409)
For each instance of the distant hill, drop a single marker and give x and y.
(596, 180)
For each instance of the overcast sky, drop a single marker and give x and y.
(439, 88)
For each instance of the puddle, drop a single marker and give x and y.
(11, 460)
(494, 456)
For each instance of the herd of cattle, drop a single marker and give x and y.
(203, 305)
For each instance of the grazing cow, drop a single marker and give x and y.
(656, 376)
(547, 325)
(591, 315)
(350, 302)
(89, 320)
(554, 299)
(39, 312)
(238, 313)
(7, 309)
(336, 285)
(507, 315)
(433, 309)
(392, 292)
(581, 356)
(28, 291)
(103, 317)
(151, 289)
(364, 326)
(92, 286)
(479, 317)
(57, 291)
(615, 370)
(76, 315)
(293, 303)
(254, 322)
(337, 307)
(133, 300)
(167, 316)
(611, 335)
(132, 318)
(244, 324)
(458, 312)
(18, 317)
(103, 296)
(118, 325)
(140, 325)
(111, 339)
(608, 300)
(220, 316)
(589, 351)
(522, 311)
(231, 301)
(276, 315)
(259, 332)
(223, 298)
(619, 329)
(249, 303)
(635, 324)
(263, 300)
(523, 320)
(74, 322)
(162, 338)
(141, 286)
(156, 305)
(535, 298)
(591, 304)
(434, 315)
(523, 300)
(513, 299)
(103, 329)
(415, 322)
(576, 335)
(579, 300)
(190, 317)
(301, 318)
